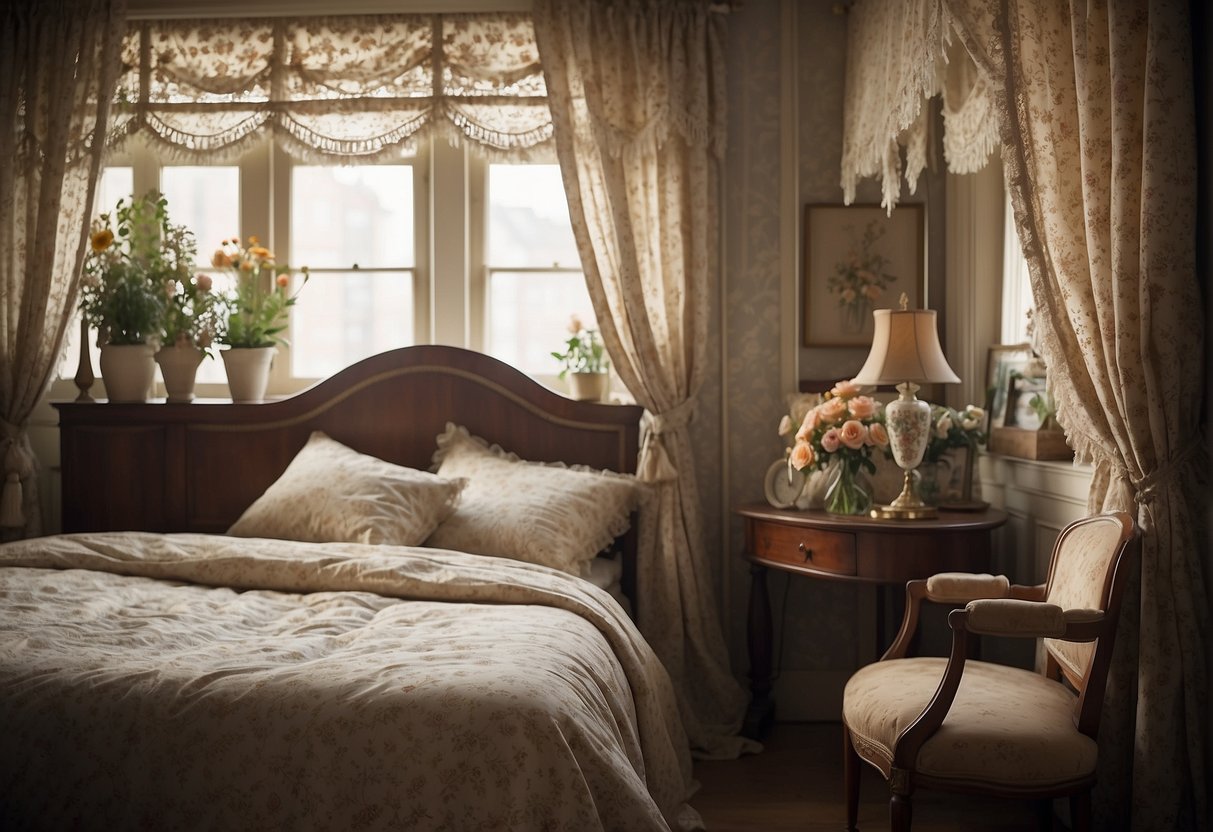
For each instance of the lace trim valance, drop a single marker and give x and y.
(357, 87)
(899, 55)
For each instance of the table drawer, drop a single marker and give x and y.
(811, 548)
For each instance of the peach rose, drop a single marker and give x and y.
(845, 389)
(878, 435)
(830, 441)
(848, 295)
(832, 410)
(853, 434)
(807, 426)
(802, 455)
(282, 280)
(862, 407)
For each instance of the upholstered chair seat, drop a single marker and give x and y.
(964, 725)
(1007, 727)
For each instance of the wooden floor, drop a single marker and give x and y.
(796, 784)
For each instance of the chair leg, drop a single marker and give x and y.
(850, 775)
(900, 811)
(1080, 811)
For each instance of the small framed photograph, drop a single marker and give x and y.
(858, 258)
(1004, 360)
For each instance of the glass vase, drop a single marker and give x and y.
(847, 489)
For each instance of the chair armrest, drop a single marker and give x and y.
(1029, 619)
(962, 587)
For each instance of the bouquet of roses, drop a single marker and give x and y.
(844, 425)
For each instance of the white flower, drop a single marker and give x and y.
(785, 425)
(943, 426)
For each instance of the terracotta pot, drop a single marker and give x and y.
(588, 387)
(248, 372)
(128, 371)
(179, 367)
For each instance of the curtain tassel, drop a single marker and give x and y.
(11, 498)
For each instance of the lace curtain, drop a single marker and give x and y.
(1095, 113)
(637, 90)
(355, 87)
(58, 65)
(898, 56)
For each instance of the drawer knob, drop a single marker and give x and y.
(808, 553)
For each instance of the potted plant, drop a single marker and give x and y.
(254, 315)
(132, 252)
(585, 363)
(940, 479)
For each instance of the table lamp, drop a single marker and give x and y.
(906, 352)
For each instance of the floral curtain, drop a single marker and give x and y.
(357, 87)
(58, 66)
(637, 94)
(1095, 112)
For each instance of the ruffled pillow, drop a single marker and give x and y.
(331, 493)
(551, 514)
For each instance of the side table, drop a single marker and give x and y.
(840, 548)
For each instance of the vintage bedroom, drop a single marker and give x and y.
(630, 415)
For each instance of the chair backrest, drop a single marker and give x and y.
(1087, 571)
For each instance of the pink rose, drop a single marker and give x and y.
(830, 441)
(862, 407)
(878, 435)
(807, 426)
(832, 410)
(846, 389)
(802, 455)
(853, 434)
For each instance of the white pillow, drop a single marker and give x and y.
(547, 513)
(331, 493)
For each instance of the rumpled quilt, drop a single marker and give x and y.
(193, 681)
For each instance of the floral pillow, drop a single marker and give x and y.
(331, 493)
(547, 513)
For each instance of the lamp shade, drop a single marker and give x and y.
(905, 347)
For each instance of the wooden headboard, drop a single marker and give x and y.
(197, 467)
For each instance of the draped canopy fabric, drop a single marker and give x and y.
(637, 90)
(1093, 102)
(355, 87)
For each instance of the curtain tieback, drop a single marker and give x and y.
(1145, 488)
(18, 465)
(654, 464)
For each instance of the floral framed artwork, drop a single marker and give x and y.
(858, 258)
(1005, 362)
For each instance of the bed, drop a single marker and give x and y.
(156, 672)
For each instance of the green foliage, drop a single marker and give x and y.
(136, 259)
(254, 314)
(584, 351)
(953, 429)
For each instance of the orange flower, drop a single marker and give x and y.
(101, 240)
(262, 252)
(220, 259)
(252, 241)
(282, 280)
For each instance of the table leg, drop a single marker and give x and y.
(761, 712)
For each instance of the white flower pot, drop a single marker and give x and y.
(179, 367)
(248, 372)
(588, 387)
(128, 371)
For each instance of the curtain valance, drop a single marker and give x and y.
(899, 55)
(355, 87)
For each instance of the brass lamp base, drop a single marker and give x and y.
(907, 506)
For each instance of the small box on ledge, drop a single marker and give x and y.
(1030, 444)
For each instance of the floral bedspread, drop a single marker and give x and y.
(205, 682)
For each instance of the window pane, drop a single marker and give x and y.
(205, 200)
(529, 316)
(529, 218)
(343, 317)
(341, 217)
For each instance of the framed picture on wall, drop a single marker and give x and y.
(858, 258)
(1005, 362)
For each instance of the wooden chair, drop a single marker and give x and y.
(977, 727)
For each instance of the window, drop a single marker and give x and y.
(1017, 300)
(499, 272)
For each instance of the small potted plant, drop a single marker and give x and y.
(585, 363)
(941, 479)
(253, 315)
(133, 252)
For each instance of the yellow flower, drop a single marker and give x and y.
(262, 252)
(101, 240)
